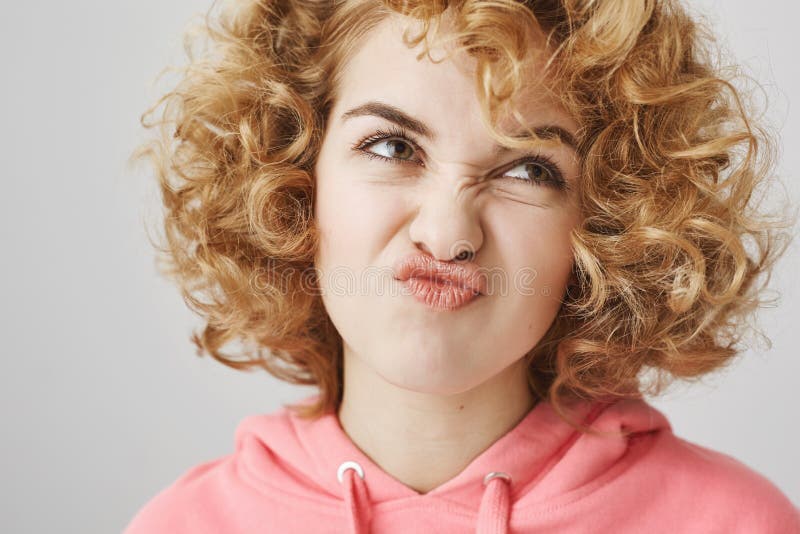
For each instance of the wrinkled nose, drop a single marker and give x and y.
(447, 224)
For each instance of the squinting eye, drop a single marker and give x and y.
(538, 171)
(534, 171)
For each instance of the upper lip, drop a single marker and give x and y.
(422, 266)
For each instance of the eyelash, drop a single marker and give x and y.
(556, 181)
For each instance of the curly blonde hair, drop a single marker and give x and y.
(671, 156)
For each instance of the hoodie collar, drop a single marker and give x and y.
(540, 430)
(541, 457)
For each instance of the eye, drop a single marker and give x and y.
(393, 146)
(537, 170)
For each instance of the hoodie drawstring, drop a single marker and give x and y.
(493, 513)
(495, 504)
(355, 496)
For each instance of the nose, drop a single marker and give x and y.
(447, 225)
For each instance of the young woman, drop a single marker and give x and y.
(474, 226)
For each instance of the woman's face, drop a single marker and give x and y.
(445, 189)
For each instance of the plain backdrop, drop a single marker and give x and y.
(102, 397)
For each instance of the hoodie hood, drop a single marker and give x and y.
(538, 460)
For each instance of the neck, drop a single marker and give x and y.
(422, 439)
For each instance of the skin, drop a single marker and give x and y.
(426, 391)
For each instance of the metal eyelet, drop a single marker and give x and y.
(494, 474)
(349, 465)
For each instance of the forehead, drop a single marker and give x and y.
(384, 67)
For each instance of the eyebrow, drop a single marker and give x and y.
(406, 121)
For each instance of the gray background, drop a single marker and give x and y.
(103, 400)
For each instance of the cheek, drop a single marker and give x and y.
(535, 247)
(536, 251)
(354, 218)
(356, 221)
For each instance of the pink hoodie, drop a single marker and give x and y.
(288, 475)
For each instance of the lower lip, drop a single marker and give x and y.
(440, 294)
